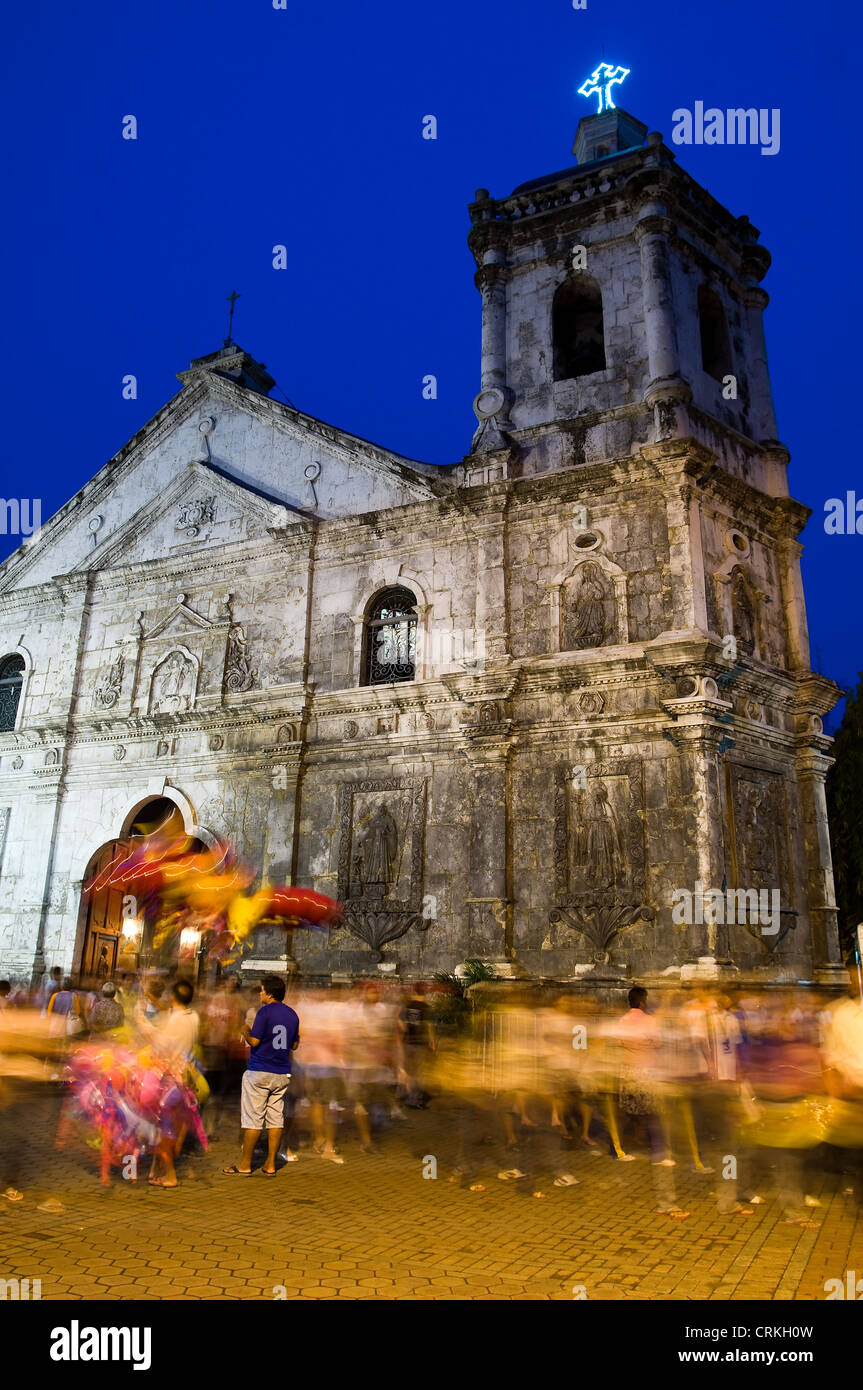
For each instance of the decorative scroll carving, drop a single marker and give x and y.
(195, 514)
(239, 672)
(378, 929)
(107, 692)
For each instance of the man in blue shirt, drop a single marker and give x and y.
(273, 1037)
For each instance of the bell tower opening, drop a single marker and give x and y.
(577, 329)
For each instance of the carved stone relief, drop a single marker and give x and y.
(381, 829)
(107, 692)
(239, 672)
(744, 615)
(760, 847)
(599, 852)
(588, 610)
(195, 514)
(172, 688)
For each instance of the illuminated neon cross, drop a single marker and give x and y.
(601, 83)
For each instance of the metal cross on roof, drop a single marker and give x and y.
(231, 299)
(600, 82)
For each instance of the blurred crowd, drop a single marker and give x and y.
(746, 1086)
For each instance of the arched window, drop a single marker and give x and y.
(577, 329)
(391, 637)
(11, 681)
(715, 349)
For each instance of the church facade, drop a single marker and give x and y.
(551, 707)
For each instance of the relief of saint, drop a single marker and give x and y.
(586, 624)
(599, 857)
(375, 859)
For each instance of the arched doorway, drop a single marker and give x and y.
(112, 935)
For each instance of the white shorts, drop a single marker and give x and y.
(262, 1102)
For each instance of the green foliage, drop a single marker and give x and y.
(845, 813)
(452, 1008)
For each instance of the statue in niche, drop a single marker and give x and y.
(586, 621)
(756, 817)
(599, 859)
(173, 685)
(743, 612)
(375, 860)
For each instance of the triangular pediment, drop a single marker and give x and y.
(199, 509)
(220, 464)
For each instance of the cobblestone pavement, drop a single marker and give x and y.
(376, 1229)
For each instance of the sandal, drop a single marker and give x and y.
(13, 1195)
(235, 1172)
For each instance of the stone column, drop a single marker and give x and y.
(652, 234)
(788, 553)
(762, 415)
(492, 633)
(699, 744)
(490, 279)
(282, 841)
(812, 768)
(489, 905)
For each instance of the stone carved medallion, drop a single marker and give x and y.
(107, 692)
(17, 763)
(119, 753)
(172, 688)
(52, 757)
(215, 742)
(195, 514)
(350, 728)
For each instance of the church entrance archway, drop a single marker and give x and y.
(112, 936)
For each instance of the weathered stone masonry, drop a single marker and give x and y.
(576, 742)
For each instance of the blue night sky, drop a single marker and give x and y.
(302, 126)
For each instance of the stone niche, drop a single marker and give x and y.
(599, 861)
(759, 844)
(380, 868)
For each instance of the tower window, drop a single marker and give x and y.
(715, 349)
(391, 637)
(577, 329)
(11, 681)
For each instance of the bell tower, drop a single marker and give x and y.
(648, 574)
(621, 305)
